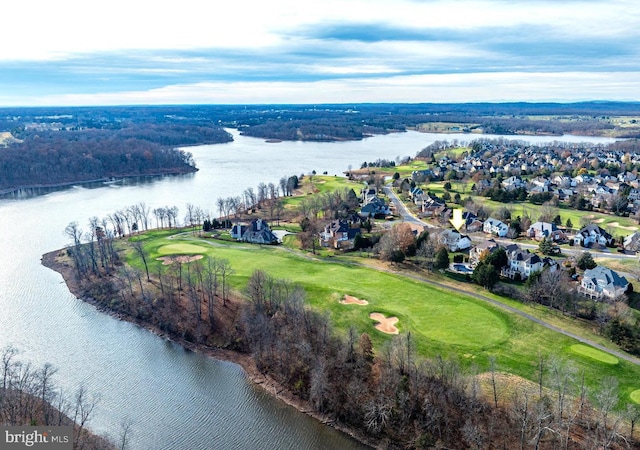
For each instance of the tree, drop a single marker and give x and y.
(485, 275)
(397, 243)
(441, 260)
(309, 235)
(569, 224)
(498, 259)
(426, 252)
(585, 261)
(142, 253)
(546, 246)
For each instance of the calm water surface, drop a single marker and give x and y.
(175, 399)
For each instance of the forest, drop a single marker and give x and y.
(42, 147)
(55, 157)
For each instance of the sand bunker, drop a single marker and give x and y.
(182, 259)
(597, 221)
(350, 300)
(386, 324)
(617, 225)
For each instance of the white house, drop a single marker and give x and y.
(601, 282)
(454, 240)
(495, 226)
(522, 262)
(593, 234)
(513, 182)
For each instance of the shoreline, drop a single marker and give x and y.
(114, 178)
(244, 360)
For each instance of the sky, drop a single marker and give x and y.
(79, 52)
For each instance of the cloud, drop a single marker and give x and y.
(463, 87)
(129, 49)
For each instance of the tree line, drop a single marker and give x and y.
(49, 158)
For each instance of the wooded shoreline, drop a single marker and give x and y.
(114, 178)
(244, 360)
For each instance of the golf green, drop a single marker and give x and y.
(594, 353)
(459, 322)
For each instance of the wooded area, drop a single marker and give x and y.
(57, 150)
(63, 145)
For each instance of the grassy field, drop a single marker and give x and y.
(320, 184)
(443, 322)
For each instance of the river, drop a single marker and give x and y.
(175, 399)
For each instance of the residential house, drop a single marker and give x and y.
(368, 193)
(420, 176)
(430, 204)
(375, 208)
(454, 240)
(563, 181)
(339, 235)
(601, 282)
(416, 195)
(476, 253)
(495, 226)
(257, 232)
(512, 183)
(472, 223)
(522, 263)
(541, 230)
(634, 195)
(632, 242)
(593, 234)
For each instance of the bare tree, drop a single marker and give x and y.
(225, 270)
(84, 406)
(138, 246)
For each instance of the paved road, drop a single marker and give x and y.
(406, 215)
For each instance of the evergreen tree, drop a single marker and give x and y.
(585, 261)
(546, 246)
(569, 224)
(441, 261)
(485, 275)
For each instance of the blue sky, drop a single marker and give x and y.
(72, 52)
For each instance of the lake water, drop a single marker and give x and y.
(175, 399)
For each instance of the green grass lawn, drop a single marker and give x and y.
(594, 353)
(442, 322)
(321, 184)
